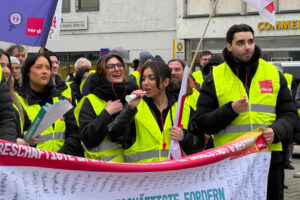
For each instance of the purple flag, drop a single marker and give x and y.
(26, 22)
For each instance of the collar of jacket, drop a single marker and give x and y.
(107, 91)
(171, 100)
(241, 66)
(32, 97)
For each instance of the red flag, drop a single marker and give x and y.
(265, 8)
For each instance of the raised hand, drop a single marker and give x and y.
(240, 105)
(113, 107)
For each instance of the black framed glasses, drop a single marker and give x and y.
(112, 67)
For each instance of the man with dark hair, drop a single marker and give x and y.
(198, 76)
(17, 51)
(61, 86)
(246, 92)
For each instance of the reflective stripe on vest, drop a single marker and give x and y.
(47, 137)
(137, 76)
(148, 146)
(198, 76)
(106, 150)
(240, 128)
(145, 155)
(52, 139)
(262, 99)
(107, 145)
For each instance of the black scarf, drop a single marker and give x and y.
(244, 69)
(106, 90)
(41, 98)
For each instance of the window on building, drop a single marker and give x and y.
(65, 6)
(87, 5)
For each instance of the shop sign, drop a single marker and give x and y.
(280, 25)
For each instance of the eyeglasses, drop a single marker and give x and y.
(112, 67)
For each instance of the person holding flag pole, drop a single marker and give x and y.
(148, 120)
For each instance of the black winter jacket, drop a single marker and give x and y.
(7, 115)
(125, 121)
(72, 145)
(210, 118)
(93, 128)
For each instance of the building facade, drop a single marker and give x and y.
(137, 25)
(280, 43)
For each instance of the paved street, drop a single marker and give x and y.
(293, 191)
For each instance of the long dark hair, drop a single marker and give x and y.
(161, 72)
(30, 60)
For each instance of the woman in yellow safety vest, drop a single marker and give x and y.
(18, 110)
(153, 117)
(37, 90)
(108, 88)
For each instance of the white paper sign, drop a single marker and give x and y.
(55, 27)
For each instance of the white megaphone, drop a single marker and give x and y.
(130, 97)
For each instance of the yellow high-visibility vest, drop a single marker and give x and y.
(148, 146)
(289, 78)
(137, 76)
(198, 76)
(53, 137)
(262, 98)
(106, 150)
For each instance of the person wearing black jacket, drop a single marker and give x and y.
(37, 89)
(148, 121)
(7, 116)
(242, 58)
(108, 88)
(80, 75)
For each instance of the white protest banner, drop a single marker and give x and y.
(55, 27)
(237, 170)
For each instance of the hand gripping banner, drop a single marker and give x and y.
(237, 170)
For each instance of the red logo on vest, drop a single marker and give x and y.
(266, 86)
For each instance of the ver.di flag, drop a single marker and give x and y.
(26, 22)
(265, 8)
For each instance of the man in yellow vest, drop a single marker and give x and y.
(246, 92)
(198, 76)
(177, 69)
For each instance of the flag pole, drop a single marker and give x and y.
(202, 37)
(26, 51)
(42, 49)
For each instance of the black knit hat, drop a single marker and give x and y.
(213, 61)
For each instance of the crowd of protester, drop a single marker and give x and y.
(103, 125)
